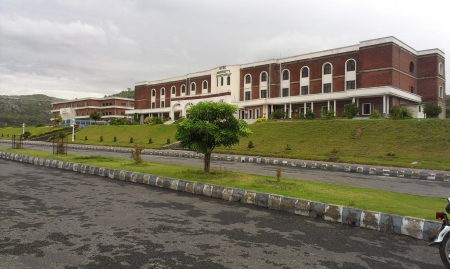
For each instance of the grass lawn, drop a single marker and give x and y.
(413, 143)
(368, 199)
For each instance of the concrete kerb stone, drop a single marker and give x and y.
(414, 227)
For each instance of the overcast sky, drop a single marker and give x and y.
(76, 49)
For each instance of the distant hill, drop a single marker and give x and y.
(28, 109)
(125, 94)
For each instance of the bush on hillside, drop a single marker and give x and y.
(400, 113)
(328, 114)
(432, 110)
(350, 110)
(310, 115)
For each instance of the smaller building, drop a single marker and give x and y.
(80, 109)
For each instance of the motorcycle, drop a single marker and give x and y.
(443, 237)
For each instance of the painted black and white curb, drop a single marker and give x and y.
(380, 171)
(383, 222)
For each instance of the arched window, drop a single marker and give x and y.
(228, 80)
(205, 84)
(327, 69)
(153, 92)
(173, 90)
(411, 67)
(221, 81)
(183, 89)
(163, 91)
(248, 79)
(305, 72)
(351, 66)
(263, 76)
(193, 86)
(285, 75)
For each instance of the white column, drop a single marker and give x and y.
(353, 100)
(172, 113)
(290, 110)
(328, 105)
(334, 107)
(387, 104)
(312, 106)
(304, 108)
(384, 104)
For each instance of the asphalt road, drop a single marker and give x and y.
(395, 184)
(52, 218)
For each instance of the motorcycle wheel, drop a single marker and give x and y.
(444, 250)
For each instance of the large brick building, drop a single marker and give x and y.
(375, 74)
(80, 109)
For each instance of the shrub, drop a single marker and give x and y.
(301, 116)
(432, 110)
(310, 115)
(153, 120)
(400, 113)
(168, 141)
(260, 119)
(40, 124)
(328, 114)
(250, 144)
(150, 140)
(85, 138)
(350, 110)
(26, 134)
(136, 154)
(2, 135)
(115, 139)
(375, 114)
(277, 114)
(131, 139)
(279, 169)
(101, 138)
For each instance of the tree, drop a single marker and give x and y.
(58, 120)
(350, 110)
(95, 115)
(432, 110)
(211, 125)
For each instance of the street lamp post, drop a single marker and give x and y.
(23, 128)
(72, 123)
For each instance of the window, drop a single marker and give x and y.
(366, 109)
(217, 82)
(162, 104)
(411, 67)
(122, 113)
(228, 80)
(351, 66)
(248, 79)
(192, 86)
(163, 91)
(123, 104)
(441, 69)
(327, 69)
(247, 95)
(221, 81)
(327, 87)
(153, 105)
(263, 93)
(285, 92)
(285, 75)
(205, 85)
(263, 76)
(305, 72)
(351, 84)
(183, 89)
(305, 90)
(411, 89)
(174, 90)
(441, 92)
(153, 92)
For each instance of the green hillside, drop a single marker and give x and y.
(414, 143)
(28, 109)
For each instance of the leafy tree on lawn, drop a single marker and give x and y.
(95, 115)
(211, 125)
(432, 110)
(58, 120)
